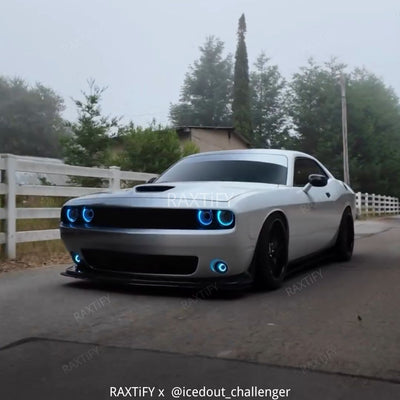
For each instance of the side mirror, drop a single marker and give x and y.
(317, 180)
(151, 180)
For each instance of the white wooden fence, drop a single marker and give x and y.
(376, 204)
(10, 165)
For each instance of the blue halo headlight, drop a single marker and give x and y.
(219, 266)
(225, 218)
(72, 214)
(87, 214)
(205, 217)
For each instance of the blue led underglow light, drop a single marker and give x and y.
(205, 217)
(72, 214)
(225, 218)
(76, 257)
(87, 214)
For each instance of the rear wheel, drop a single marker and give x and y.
(271, 254)
(345, 240)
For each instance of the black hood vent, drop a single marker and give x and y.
(153, 188)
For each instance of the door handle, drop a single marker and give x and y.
(328, 195)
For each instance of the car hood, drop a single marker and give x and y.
(188, 191)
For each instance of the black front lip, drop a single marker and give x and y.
(241, 281)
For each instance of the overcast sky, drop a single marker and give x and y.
(141, 49)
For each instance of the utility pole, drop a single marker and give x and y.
(346, 173)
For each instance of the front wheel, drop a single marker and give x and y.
(345, 240)
(271, 254)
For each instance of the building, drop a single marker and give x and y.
(211, 138)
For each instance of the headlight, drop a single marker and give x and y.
(205, 217)
(225, 218)
(87, 214)
(72, 214)
(216, 219)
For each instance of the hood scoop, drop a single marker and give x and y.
(153, 188)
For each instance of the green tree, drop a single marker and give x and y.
(88, 143)
(205, 95)
(269, 110)
(373, 125)
(241, 111)
(152, 149)
(315, 109)
(374, 134)
(30, 119)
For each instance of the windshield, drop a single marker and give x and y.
(225, 170)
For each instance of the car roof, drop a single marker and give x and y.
(287, 153)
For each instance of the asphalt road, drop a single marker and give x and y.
(332, 332)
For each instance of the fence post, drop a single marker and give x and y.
(380, 202)
(115, 180)
(358, 204)
(11, 212)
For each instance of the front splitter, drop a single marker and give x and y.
(236, 282)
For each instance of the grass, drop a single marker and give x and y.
(37, 253)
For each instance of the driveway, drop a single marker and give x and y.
(332, 331)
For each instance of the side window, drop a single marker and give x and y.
(303, 167)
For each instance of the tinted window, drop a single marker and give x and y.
(303, 167)
(226, 170)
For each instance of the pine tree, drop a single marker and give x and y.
(241, 90)
(89, 141)
(269, 119)
(205, 95)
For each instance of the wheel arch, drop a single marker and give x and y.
(281, 213)
(278, 212)
(275, 212)
(347, 207)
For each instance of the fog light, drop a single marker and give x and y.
(219, 266)
(87, 214)
(77, 258)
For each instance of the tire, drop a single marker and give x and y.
(270, 260)
(345, 240)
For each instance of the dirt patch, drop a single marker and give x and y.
(34, 261)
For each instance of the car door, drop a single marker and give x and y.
(315, 208)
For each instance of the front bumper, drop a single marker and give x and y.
(235, 248)
(241, 281)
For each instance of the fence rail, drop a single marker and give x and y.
(11, 165)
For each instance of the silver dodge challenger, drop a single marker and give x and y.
(232, 218)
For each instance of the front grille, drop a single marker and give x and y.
(150, 218)
(141, 218)
(140, 263)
